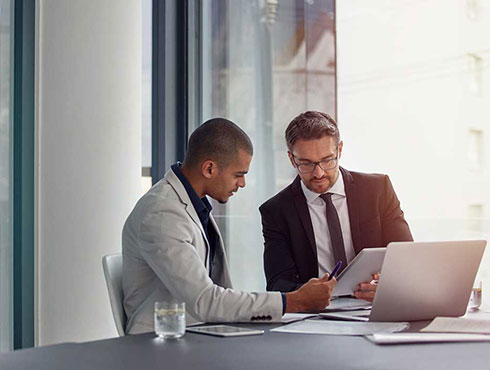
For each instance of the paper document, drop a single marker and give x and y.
(347, 304)
(292, 317)
(356, 315)
(401, 338)
(341, 327)
(458, 325)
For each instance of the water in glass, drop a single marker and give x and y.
(476, 295)
(169, 320)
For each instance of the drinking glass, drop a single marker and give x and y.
(170, 319)
(476, 294)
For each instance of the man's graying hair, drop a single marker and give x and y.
(219, 140)
(311, 125)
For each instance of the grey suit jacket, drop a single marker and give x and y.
(165, 255)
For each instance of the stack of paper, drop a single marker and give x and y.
(458, 325)
(347, 304)
(405, 338)
(440, 330)
(341, 327)
(292, 317)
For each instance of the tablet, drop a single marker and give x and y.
(360, 270)
(224, 330)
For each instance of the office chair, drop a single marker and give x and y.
(112, 265)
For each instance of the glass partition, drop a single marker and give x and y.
(146, 64)
(261, 63)
(6, 43)
(413, 103)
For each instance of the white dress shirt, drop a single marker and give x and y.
(316, 207)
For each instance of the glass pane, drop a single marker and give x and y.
(263, 63)
(6, 37)
(413, 103)
(146, 105)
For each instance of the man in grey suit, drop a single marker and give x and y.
(172, 247)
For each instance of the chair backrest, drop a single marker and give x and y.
(112, 265)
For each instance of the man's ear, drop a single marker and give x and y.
(208, 168)
(290, 155)
(341, 145)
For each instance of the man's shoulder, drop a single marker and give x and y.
(367, 184)
(162, 193)
(161, 199)
(159, 207)
(364, 177)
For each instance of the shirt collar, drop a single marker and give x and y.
(201, 205)
(337, 188)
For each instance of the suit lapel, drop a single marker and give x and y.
(173, 180)
(352, 194)
(304, 214)
(220, 274)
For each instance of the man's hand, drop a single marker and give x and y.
(367, 290)
(313, 296)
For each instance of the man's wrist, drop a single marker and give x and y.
(294, 302)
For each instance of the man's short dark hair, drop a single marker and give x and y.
(219, 140)
(311, 125)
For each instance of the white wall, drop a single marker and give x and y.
(89, 156)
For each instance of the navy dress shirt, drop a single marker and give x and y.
(203, 209)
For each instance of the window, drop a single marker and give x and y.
(146, 96)
(475, 215)
(476, 73)
(405, 109)
(475, 149)
(472, 9)
(261, 64)
(6, 37)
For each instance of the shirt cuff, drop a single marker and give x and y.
(283, 295)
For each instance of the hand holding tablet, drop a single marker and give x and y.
(361, 269)
(367, 290)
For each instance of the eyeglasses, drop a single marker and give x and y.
(308, 167)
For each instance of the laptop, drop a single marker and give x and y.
(422, 280)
